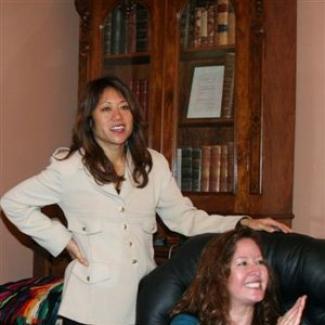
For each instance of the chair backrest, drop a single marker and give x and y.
(298, 262)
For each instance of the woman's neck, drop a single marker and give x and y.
(242, 315)
(117, 157)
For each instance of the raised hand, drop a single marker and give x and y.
(293, 315)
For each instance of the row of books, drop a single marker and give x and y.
(206, 168)
(140, 89)
(210, 25)
(126, 30)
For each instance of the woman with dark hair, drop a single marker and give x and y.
(233, 286)
(110, 187)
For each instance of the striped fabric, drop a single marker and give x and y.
(33, 301)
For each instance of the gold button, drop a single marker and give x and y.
(134, 261)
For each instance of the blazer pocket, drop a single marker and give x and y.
(94, 273)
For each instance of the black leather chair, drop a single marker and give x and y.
(298, 262)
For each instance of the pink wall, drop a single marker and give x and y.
(309, 188)
(39, 71)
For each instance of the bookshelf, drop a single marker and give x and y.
(157, 46)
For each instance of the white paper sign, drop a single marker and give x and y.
(206, 92)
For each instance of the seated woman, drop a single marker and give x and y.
(233, 286)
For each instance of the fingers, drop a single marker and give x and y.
(75, 252)
(276, 225)
(294, 314)
(267, 224)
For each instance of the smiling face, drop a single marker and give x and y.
(248, 274)
(112, 120)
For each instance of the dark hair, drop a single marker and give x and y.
(94, 158)
(208, 296)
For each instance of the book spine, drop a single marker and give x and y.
(215, 168)
(141, 29)
(131, 30)
(210, 27)
(205, 168)
(187, 169)
(224, 168)
(117, 31)
(231, 172)
(232, 26)
(204, 27)
(223, 25)
(178, 167)
(185, 26)
(196, 169)
(108, 34)
(227, 103)
(197, 27)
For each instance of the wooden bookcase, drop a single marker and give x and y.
(157, 45)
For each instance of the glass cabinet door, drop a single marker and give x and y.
(125, 46)
(205, 158)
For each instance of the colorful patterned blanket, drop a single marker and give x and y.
(33, 301)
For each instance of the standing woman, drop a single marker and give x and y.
(110, 187)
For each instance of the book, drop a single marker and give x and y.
(118, 45)
(224, 172)
(131, 30)
(227, 102)
(178, 167)
(197, 27)
(196, 169)
(185, 26)
(205, 168)
(187, 169)
(141, 28)
(231, 165)
(107, 34)
(211, 26)
(215, 167)
(231, 26)
(222, 21)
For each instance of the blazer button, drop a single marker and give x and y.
(134, 261)
(130, 243)
(84, 228)
(88, 278)
(125, 226)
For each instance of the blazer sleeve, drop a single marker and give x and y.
(22, 206)
(178, 212)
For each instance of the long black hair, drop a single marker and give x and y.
(83, 140)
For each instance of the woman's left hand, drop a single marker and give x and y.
(266, 224)
(294, 314)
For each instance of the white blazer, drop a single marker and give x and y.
(113, 230)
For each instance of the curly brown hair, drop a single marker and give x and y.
(83, 140)
(208, 296)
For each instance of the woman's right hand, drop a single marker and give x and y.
(75, 252)
(293, 315)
